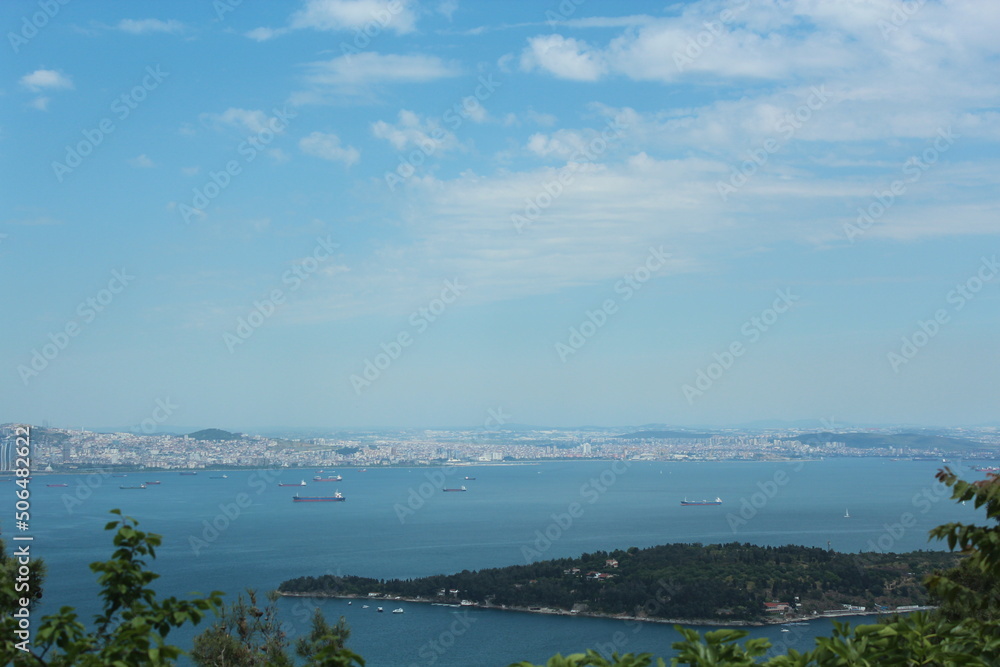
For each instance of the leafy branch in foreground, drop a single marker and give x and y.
(964, 630)
(134, 623)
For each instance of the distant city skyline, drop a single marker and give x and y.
(374, 214)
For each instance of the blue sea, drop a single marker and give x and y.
(245, 531)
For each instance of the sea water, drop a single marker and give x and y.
(245, 531)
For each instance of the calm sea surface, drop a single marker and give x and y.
(398, 523)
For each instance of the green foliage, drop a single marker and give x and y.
(325, 644)
(595, 659)
(727, 582)
(248, 636)
(965, 630)
(134, 623)
(244, 636)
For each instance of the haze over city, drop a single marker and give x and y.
(370, 214)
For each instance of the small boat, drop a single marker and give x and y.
(335, 478)
(785, 630)
(219, 477)
(847, 514)
(349, 602)
(471, 478)
(466, 603)
(189, 473)
(338, 497)
(692, 503)
(379, 610)
(364, 606)
(61, 485)
(398, 610)
(458, 489)
(149, 483)
(302, 483)
(141, 486)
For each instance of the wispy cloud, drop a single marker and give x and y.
(396, 16)
(359, 75)
(328, 147)
(145, 26)
(46, 79)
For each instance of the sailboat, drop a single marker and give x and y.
(847, 514)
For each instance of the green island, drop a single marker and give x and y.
(722, 584)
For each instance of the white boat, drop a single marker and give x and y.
(364, 606)
(398, 611)
(379, 610)
(847, 514)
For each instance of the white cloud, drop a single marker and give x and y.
(327, 146)
(46, 79)
(379, 68)
(141, 162)
(41, 103)
(143, 26)
(333, 15)
(447, 8)
(190, 171)
(264, 34)
(564, 57)
(252, 120)
(355, 76)
(412, 131)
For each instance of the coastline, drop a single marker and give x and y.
(615, 617)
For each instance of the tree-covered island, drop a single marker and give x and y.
(717, 583)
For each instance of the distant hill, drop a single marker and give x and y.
(917, 441)
(665, 435)
(213, 434)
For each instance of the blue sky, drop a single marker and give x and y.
(369, 213)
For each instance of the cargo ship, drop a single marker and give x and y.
(302, 483)
(335, 498)
(156, 482)
(459, 489)
(689, 503)
(189, 473)
(141, 486)
(57, 485)
(335, 478)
